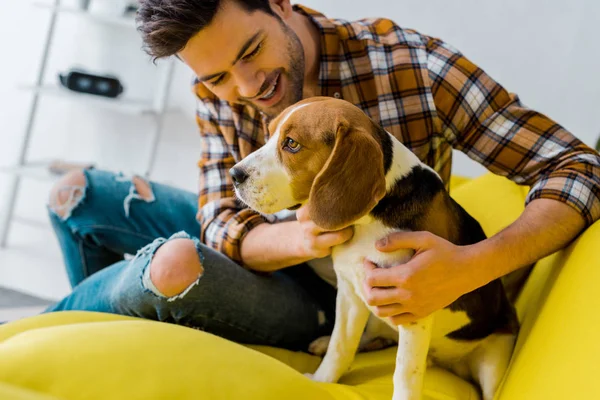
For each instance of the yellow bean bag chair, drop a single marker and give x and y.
(84, 355)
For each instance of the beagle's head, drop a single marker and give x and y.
(323, 152)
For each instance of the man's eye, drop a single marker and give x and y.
(254, 52)
(217, 81)
(291, 145)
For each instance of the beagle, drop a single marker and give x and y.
(327, 154)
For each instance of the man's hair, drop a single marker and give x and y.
(167, 25)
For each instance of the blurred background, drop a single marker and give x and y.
(544, 50)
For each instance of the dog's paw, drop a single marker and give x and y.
(320, 376)
(319, 346)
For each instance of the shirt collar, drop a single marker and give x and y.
(329, 69)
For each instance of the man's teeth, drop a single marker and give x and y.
(270, 94)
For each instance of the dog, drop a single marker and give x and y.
(328, 155)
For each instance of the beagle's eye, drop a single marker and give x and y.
(291, 145)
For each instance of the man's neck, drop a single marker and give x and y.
(311, 41)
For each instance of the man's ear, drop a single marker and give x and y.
(352, 180)
(283, 8)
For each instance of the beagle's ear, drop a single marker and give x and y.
(352, 180)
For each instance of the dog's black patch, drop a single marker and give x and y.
(387, 147)
(406, 207)
(487, 307)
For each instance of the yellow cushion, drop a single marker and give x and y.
(557, 350)
(556, 356)
(492, 200)
(18, 393)
(85, 355)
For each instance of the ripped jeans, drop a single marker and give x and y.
(288, 308)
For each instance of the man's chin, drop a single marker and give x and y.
(275, 109)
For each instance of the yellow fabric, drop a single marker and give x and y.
(85, 355)
(557, 353)
(456, 181)
(18, 393)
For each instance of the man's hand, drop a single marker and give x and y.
(269, 247)
(317, 242)
(438, 273)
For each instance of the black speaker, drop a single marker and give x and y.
(84, 82)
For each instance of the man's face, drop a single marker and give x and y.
(250, 58)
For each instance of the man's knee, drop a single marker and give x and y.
(175, 267)
(67, 193)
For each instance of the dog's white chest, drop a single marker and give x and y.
(348, 265)
(348, 258)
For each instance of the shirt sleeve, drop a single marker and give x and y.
(224, 221)
(480, 118)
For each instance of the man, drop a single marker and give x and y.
(240, 275)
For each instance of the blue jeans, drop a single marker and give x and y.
(288, 308)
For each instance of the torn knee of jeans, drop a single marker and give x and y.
(65, 199)
(148, 284)
(142, 187)
(140, 190)
(183, 280)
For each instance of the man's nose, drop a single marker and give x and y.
(238, 175)
(249, 81)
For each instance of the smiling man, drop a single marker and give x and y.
(259, 61)
(208, 262)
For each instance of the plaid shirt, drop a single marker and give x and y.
(425, 93)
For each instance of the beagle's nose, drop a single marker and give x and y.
(238, 175)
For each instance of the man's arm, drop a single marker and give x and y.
(545, 227)
(440, 272)
(269, 247)
(479, 117)
(223, 220)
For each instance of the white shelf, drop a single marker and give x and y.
(32, 222)
(38, 171)
(156, 107)
(127, 22)
(120, 104)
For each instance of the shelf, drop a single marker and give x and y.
(127, 22)
(38, 171)
(121, 104)
(31, 222)
(44, 170)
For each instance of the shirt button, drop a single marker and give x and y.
(337, 95)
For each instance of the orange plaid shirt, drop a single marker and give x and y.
(425, 93)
